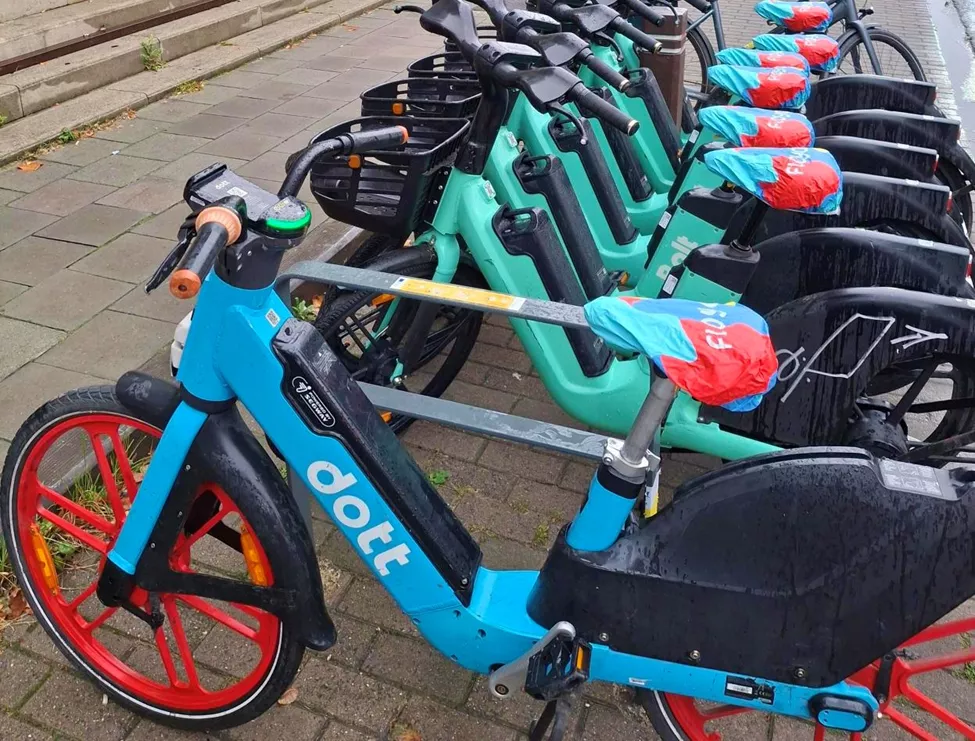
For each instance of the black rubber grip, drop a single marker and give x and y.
(204, 248)
(605, 72)
(592, 105)
(703, 5)
(634, 34)
(643, 10)
(388, 137)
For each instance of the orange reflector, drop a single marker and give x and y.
(48, 571)
(398, 109)
(252, 556)
(580, 659)
(382, 298)
(386, 416)
(625, 279)
(355, 161)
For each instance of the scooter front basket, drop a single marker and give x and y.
(387, 191)
(423, 97)
(442, 64)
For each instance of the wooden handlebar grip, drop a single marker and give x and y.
(222, 215)
(216, 227)
(184, 284)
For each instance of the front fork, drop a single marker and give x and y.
(414, 341)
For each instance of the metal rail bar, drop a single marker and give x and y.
(48, 53)
(499, 425)
(549, 312)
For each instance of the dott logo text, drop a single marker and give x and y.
(352, 512)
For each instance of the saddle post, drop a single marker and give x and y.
(627, 466)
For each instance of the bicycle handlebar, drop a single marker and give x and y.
(384, 138)
(217, 227)
(593, 105)
(606, 72)
(634, 34)
(643, 10)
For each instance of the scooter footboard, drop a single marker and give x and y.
(836, 347)
(822, 560)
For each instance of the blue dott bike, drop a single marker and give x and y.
(784, 584)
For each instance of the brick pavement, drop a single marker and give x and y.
(80, 235)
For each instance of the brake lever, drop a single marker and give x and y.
(609, 41)
(186, 233)
(408, 9)
(574, 119)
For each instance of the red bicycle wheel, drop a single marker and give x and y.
(928, 675)
(70, 487)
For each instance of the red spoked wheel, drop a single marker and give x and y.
(928, 677)
(71, 477)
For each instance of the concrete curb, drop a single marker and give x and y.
(25, 134)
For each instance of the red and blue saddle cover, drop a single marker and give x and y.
(802, 179)
(813, 17)
(757, 58)
(822, 52)
(720, 354)
(755, 127)
(779, 87)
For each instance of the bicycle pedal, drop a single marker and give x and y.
(559, 667)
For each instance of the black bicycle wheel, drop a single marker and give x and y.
(362, 332)
(372, 247)
(894, 55)
(696, 65)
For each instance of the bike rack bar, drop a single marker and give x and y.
(488, 422)
(549, 312)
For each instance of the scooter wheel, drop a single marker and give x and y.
(70, 477)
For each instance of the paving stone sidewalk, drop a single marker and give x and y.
(78, 238)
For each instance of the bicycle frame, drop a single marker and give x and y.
(229, 355)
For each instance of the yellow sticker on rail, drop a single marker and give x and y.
(460, 294)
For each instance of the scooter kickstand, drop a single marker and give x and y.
(512, 675)
(555, 715)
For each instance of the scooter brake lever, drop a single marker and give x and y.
(576, 121)
(186, 233)
(408, 9)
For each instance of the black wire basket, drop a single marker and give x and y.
(423, 97)
(442, 64)
(387, 191)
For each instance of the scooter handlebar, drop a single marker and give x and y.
(606, 72)
(592, 105)
(634, 34)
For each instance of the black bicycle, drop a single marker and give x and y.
(864, 47)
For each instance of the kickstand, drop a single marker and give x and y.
(555, 715)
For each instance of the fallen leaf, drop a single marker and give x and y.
(317, 302)
(402, 732)
(18, 605)
(350, 27)
(289, 696)
(29, 166)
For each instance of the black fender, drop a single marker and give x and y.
(962, 160)
(832, 344)
(917, 130)
(889, 159)
(226, 453)
(812, 261)
(851, 92)
(868, 201)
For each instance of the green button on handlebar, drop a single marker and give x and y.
(290, 225)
